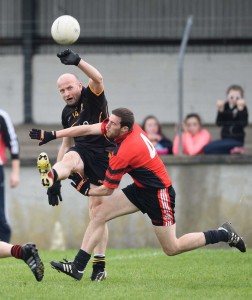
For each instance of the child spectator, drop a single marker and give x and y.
(232, 116)
(153, 129)
(194, 138)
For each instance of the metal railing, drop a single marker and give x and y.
(180, 79)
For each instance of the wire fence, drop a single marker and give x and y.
(132, 25)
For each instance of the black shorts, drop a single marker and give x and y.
(159, 204)
(95, 164)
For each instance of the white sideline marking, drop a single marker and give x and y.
(132, 256)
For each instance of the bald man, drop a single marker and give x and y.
(85, 155)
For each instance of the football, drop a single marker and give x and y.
(65, 30)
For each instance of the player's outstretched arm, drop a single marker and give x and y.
(47, 136)
(95, 77)
(68, 57)
(94, 129)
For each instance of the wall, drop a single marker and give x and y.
(146, 83)
(208, 194)
(11, 86)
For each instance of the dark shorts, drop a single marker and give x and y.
(159, 204)
(95, 164)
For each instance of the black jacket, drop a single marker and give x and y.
(233, 122)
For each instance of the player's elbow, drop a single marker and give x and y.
(98, 79)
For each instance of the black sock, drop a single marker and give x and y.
(215, 236)
(81, 260)
(55, 175)
(99, 261)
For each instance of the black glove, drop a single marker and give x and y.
(68, 57)
(54, 195)
(42, 135)
(81, 184)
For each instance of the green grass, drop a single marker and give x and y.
(137, 274)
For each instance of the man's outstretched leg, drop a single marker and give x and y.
(28, 253)
(173, 245)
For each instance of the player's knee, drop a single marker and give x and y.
(71, 160)
(93, 205)
(68, 157)
(170, 251)
(98, 216)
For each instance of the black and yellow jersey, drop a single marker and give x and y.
(91, 108)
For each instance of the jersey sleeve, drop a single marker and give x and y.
(96, 99)
(117, 168)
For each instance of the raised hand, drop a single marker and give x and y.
(68, 57)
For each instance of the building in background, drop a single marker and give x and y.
(135, 43)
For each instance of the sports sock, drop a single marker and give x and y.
(55, 175)
(81, 260)
(215, 236)
(99, 261)
(16, 251)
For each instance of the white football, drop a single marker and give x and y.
(65, 30)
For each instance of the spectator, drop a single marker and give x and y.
(194, 138)
(8, 139)
(232, 116)
(153, 129)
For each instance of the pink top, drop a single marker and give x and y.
(192, 145)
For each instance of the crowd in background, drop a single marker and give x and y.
(232, 117)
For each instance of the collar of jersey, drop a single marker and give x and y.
(122, 137)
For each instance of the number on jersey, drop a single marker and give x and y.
(149, 145)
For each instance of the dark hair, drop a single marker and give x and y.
(236, 87)
(156, 119)
(126, 115)
(194, 115)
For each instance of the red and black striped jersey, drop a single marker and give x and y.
(91, 108)
(135, 155)
(8, 138)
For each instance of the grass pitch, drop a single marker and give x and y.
(137, 274)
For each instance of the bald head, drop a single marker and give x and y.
(70, 88)
(67, 77)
